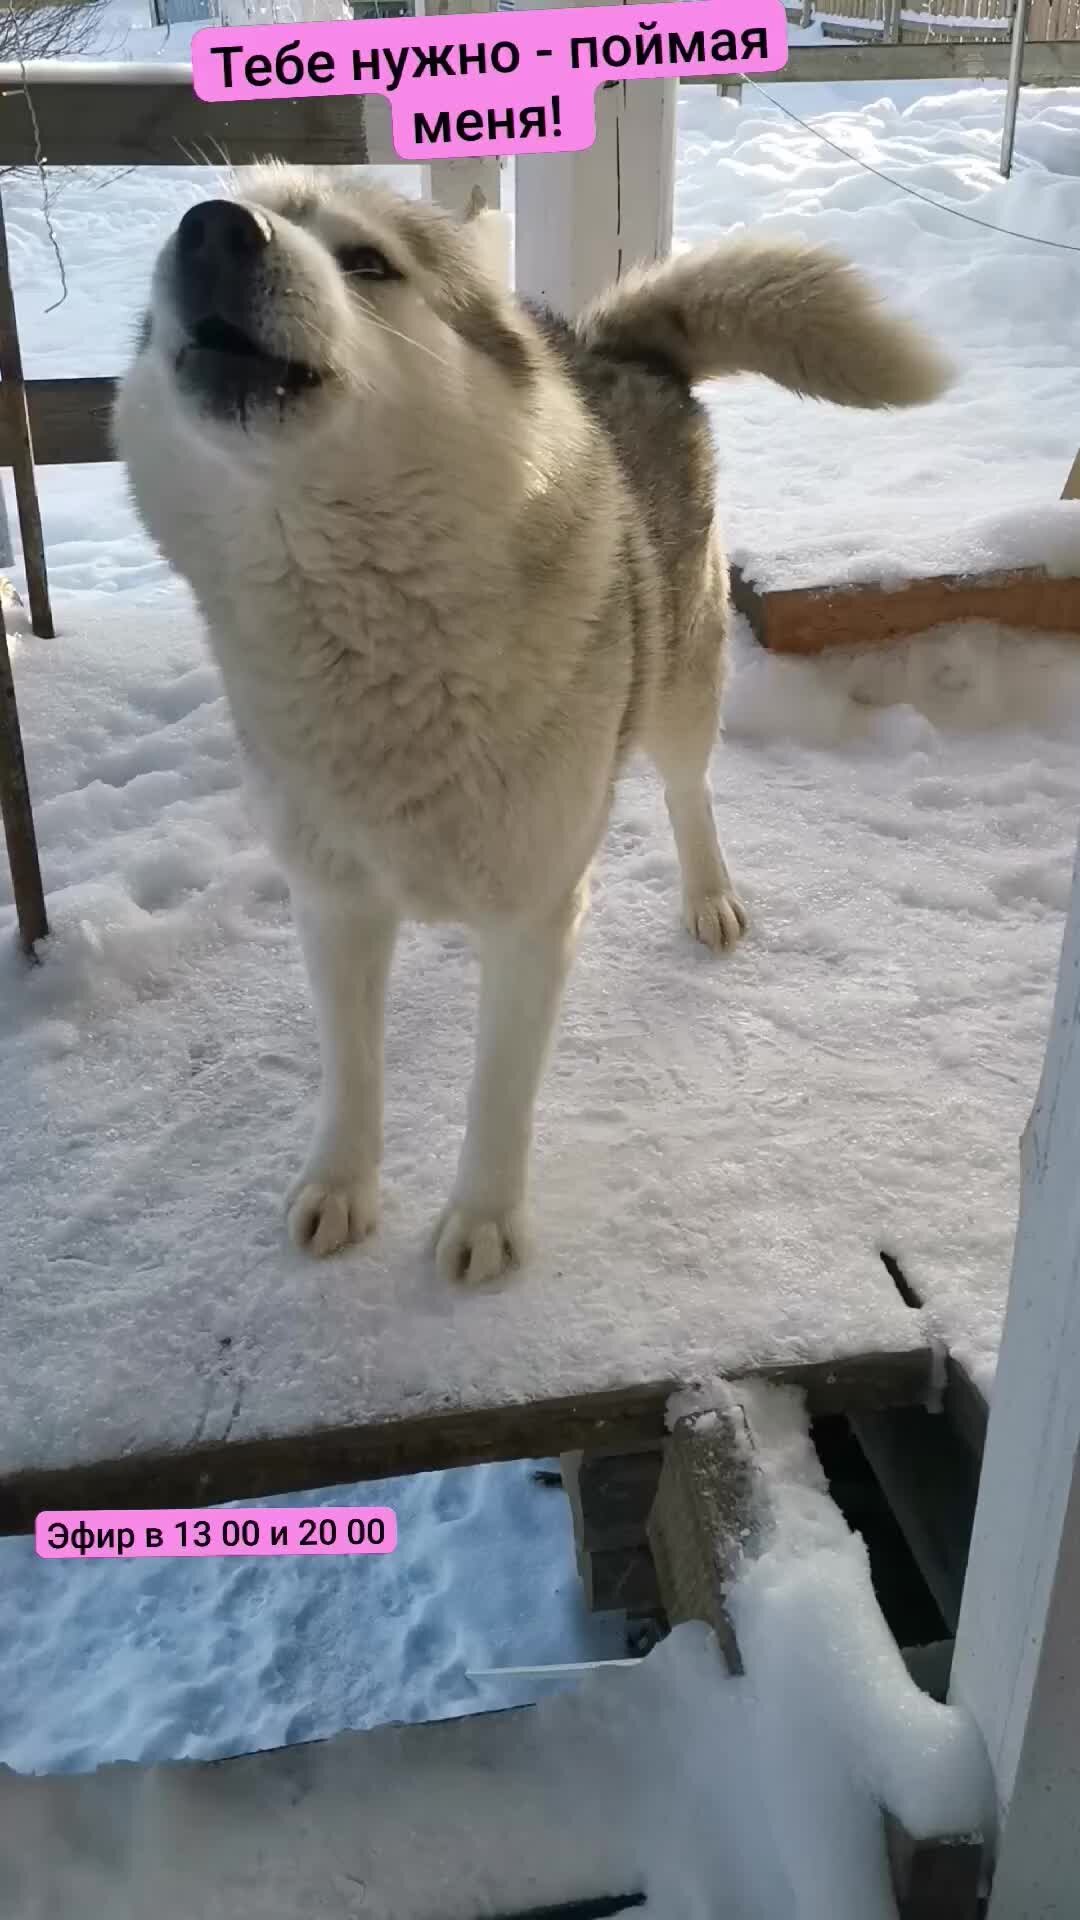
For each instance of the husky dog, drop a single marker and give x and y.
(457, 557)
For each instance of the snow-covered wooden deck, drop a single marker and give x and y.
(725, 1150)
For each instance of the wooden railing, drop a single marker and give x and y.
(950, 20)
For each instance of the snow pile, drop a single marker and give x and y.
(961, 680)
(840, 1729)
(1046, 536)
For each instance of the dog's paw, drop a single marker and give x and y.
(325, 1214)
(716, 919)
(476, 1245)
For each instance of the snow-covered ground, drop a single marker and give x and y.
(723, 1150)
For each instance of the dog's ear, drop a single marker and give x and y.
(477, 204)
(489, 237)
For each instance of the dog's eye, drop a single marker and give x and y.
(366, 263)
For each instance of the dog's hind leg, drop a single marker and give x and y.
(348, 940)
(679, 741)
(523, 969)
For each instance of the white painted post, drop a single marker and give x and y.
(582, 219)
(453, 182)
(1017, 1661)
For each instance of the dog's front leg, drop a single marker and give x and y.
(523, 968)
(347, 939)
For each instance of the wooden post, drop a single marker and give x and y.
(453, 182)
(705, 1520)
(1016, 1666)
(611, 1496)
(1016, 81)
(582, 219)
(16, 810)
(13, 397)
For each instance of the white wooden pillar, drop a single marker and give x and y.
(1017, 1661)
(581, 219)
(453, 182)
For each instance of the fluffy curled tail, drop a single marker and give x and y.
(798, 314)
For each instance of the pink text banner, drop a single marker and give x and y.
(202, 1533)
(499, 83)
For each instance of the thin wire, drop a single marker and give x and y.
(1010, 233)
(39, 154)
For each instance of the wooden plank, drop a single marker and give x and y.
(69, 421)
(611, 1497)
(621, 1580)
(937, 1879)
(110, 116)
(603, 1909)
(930, 1481)
(17, 812)
(706, 1516)
(1017, 1662)
(808, 620)
(965, 1408)
(1047, 63)
(13, 407)
(620, 1417)
(979, 33)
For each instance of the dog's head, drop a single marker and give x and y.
(270, 308)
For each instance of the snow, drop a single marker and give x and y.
(1046, 536)
(196, 1659)
(837, 1726)
(672, 1778)
(906, 877)
(724, 1148)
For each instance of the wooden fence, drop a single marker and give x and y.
(939, 21)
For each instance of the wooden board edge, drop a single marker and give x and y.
(812, 620)
(966, 1407)
(70, 423)
(936, 1878)
(615, 1418)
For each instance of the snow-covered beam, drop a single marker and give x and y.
(1017, 1662)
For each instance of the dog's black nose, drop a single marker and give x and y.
(219, 234)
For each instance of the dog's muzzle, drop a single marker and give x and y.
(220, 259)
